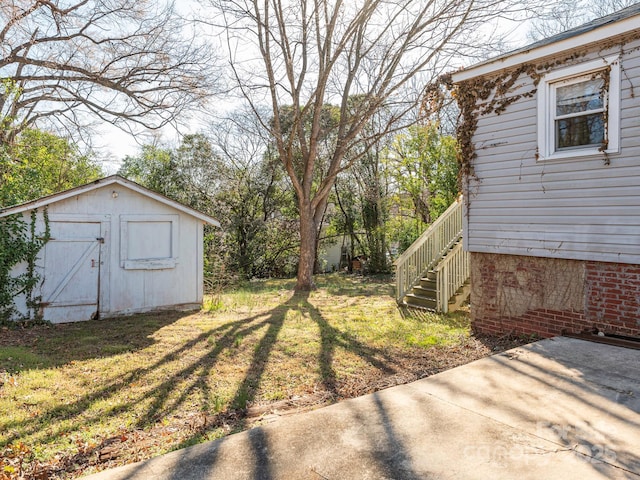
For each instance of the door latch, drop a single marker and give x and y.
(100, 239)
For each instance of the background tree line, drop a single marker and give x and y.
(372, 206)
(332, 143)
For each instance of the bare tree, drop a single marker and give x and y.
(128, 62)
(361, 56)
(564, 15)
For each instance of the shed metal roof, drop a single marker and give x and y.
(103, 182)
(618, 23)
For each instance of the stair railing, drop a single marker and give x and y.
(451, 274)
(428, 249)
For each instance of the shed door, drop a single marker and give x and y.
(70, 291)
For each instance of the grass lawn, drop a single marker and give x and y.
(78, 398)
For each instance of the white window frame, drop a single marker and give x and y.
(148, 263)
(546, 109)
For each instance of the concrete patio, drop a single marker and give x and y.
(557, 408)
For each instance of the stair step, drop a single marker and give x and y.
(427, 292)
(430, 275)
(428, 283)
(420, 302)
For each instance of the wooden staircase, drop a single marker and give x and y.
(425, 293)
(433, 273)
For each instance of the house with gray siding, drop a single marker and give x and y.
(551, 161)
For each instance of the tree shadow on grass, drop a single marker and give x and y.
(341, 284)
(171, 395)
(201, 369)
(330, 339)
(50, 346)
(457, 319)
(192, 377)
(73, 412)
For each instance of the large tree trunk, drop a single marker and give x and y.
(310, 222)
(308, 236)
(303, 50)
(316, 266)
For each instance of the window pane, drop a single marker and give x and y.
(583, 130)
(579, 97)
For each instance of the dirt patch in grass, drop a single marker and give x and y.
(79, 398)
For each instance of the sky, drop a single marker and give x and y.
(113, 144)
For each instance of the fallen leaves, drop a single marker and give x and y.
(17, 462)
(7, 379)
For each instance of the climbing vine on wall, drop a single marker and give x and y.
(483, 96)
(20, 245)
(488, 95)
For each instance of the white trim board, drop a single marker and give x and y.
(103, 182)
(510, 60)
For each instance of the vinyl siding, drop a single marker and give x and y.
(576, 208)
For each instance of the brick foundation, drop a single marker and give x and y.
(544, 296)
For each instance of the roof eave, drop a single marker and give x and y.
(167, 201)
(57, 197)
(616, 29)
(103, 182)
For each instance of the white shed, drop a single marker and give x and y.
(116, 248)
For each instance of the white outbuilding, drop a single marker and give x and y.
(116, 248)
